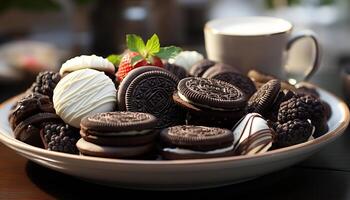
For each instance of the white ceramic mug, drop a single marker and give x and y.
(262, 43)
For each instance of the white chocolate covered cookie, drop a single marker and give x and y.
(81, 93)
(83, 62)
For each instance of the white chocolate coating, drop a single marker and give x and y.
(189, 151)
(83, 62)
(253, 128)
(81, 93)
(186, 59)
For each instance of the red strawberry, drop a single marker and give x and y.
(125, 65)
(141, 54)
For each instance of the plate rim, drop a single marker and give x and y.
(338, 131)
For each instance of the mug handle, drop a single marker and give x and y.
(315, 64)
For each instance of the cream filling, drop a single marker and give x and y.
(182, 97)
(189, 151)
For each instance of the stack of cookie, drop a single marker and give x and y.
(117, 134)
(210, 101)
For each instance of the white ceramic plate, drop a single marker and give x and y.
(182, 174)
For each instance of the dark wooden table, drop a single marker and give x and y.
(326, 175)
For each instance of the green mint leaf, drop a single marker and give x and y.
(114, 59)
(136, 59)
(152, 45)
(168, 52)
(135, 43)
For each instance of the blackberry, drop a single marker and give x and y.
(45, 83)
(283, 96)
(292, 132)
(60, 137)
(302, 107)
(315, 107)
(292, 109)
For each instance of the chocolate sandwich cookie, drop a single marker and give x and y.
(121, 140)
(123, 86)
(210, 102)
(119, 128)
(28, 106)
(200, 67)
(263, 99)
(113, 122)
(202, 116)
(211, 93)
(28, 131)
(194, 142)
(150, 91)
(178, 71)
(230, 75)
(116, 132)
(91, 149)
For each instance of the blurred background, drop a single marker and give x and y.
(41, 34)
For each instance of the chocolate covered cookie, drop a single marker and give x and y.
(28, 106)
(28, 130)
(252, 135)
(191, 142)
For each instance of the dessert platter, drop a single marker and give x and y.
(161, 118)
